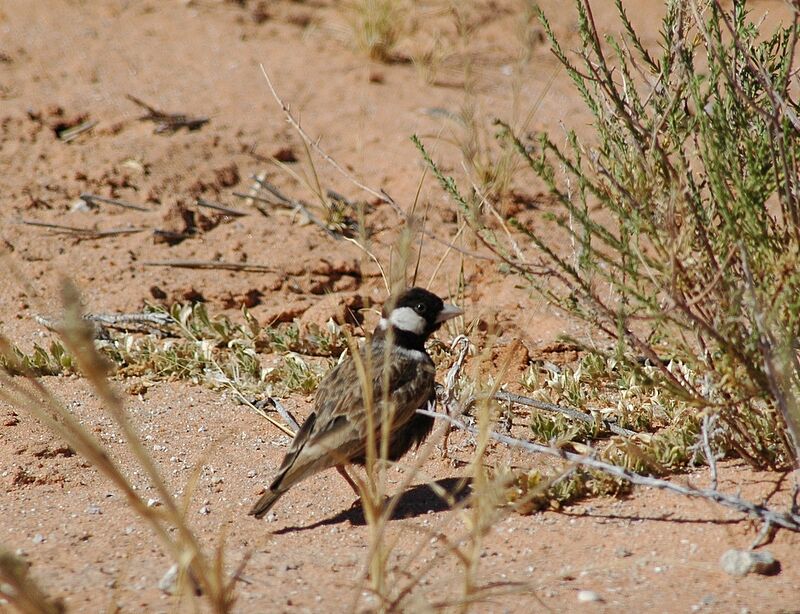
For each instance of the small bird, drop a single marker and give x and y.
(335, 434)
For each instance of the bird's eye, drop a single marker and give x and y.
(420, 308)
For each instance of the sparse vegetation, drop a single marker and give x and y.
(671, 233)
(674, 231)
(377, 26)
(203, 349)
(199, 572)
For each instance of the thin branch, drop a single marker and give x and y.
(293, 204)
(201, 202)
(168, 122)
(83, 233)
(70, 134)
(765, 535)
(282, 411)
(114, 320)
(382, 196)
(567, 411)
(212, 264)
(379, 194)
(93, 199)
(787, 520)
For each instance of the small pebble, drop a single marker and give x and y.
(94, 510)
(205, 510)
(742, 562)
(38, 538)
(153, 503)
(589, 597)
(80, 205)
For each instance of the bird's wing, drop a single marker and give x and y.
(339, 427)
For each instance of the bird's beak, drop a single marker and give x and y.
(448, 312)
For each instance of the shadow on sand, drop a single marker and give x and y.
(416, 501)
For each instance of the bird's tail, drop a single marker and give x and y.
(265, 503)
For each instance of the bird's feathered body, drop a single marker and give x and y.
(400, 378)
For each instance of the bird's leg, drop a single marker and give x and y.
(343, 472)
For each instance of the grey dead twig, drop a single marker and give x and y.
(168, 122)
(70, 134)
(786, 520)
(251, 199)
(201, 202)
(118, 319)
(83, 233)
(93, 199)
(211, 264)
(279, 199)
(293, 203)
(155, 322)
(255, 197)
(574, 414)
(280, 408)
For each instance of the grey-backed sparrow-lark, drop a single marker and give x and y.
(335, 434)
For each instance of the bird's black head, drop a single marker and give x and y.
(414, 316)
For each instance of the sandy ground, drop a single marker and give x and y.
(63, 63)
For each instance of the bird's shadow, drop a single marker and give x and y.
(418, 500)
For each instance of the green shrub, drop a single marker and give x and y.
(676, 226)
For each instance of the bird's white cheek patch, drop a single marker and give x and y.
(406, 319)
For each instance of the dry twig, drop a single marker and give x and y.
(567, 411)
(201, 202)
(282, 200)
(168, 122)
(93, 199)
(212, 264)
(82, 233)
(786, 520)
(381, 195)
(70, 134)
(282, 411)
(162, 322)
